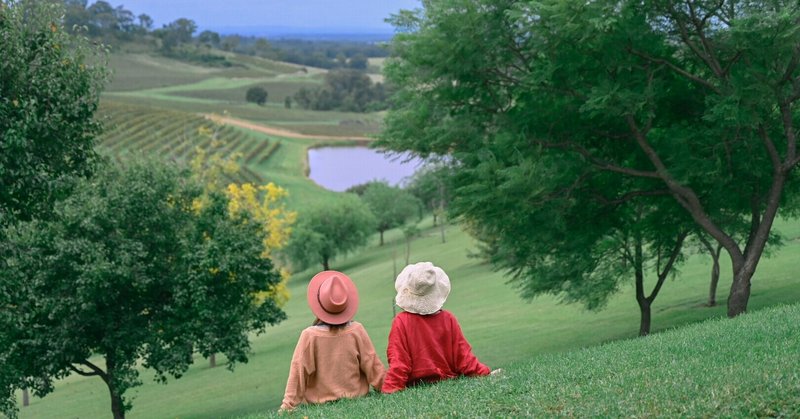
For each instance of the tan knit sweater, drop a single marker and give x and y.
(332, 364)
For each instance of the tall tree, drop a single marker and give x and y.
(325, 231)
(131, 269)
(430, 185)
(391, 205)
(47, 125)
(696, 100)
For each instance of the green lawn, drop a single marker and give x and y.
(746, 367)
(502, 329)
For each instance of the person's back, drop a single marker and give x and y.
(335, 357)
(426, 344)
(332, 363)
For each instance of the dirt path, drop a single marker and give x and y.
(270, 130)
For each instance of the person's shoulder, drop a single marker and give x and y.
(313, 331)
(447, 315)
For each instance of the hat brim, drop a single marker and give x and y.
(428, 304)
(312, 296)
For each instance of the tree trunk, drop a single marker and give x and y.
(441, 229)
(117, 407)
(638, 272)
(644, 322)
(714, 252)
(26, 398)
(408, 249)
(381, 244)
(325, 264)
(712, 291)
(212, 360)
(740, 293)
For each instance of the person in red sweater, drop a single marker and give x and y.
(334, 357)
(425, 342)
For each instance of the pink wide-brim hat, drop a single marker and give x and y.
(422, 288)
(333, 297)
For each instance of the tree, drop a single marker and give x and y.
(409, 233)
(688, 99)
(262, 204)
(392, 206)
(429, 185)
(359, 62)
(133, 270)
(209, 38)
(47, 127)
(325, 231)
(230, 42)
(257, 95)
(145, 22)
(177, 32)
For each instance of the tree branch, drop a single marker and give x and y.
(697, 79)
(774, 158)
(83, 373)
(699, 25)
(631, 195)
(662, 276)
(686, 196)
(791, 138)
(599, 163)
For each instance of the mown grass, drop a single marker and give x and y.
(745, 367)
(503, 330)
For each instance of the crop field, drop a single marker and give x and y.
(177, 135)
(153, 81)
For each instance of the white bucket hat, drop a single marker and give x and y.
(422, 288)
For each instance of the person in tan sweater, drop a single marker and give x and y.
(334, 358)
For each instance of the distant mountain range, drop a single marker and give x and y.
(333, 34)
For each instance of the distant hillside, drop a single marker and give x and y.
(278, 32)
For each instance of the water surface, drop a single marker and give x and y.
(338, 168)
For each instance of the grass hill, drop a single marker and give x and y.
(156, 106)
(503, 330)
(746, 367)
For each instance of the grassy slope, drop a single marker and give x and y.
(502, 328)
(695, 371)
(165, 83)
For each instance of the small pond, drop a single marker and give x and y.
(338, 168)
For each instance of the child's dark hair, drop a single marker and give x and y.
(318, 322)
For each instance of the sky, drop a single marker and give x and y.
(273, 16)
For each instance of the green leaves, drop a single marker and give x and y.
(49, 90)
(127, 270)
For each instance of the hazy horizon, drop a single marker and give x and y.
(275, 18)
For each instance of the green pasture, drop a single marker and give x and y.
(138, 71)
(164, 83)
(695, 371)
(503, 330)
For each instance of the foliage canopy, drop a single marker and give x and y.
(131, 270)
(50, 84)
(546, 105)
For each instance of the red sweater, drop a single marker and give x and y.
(427, 348)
